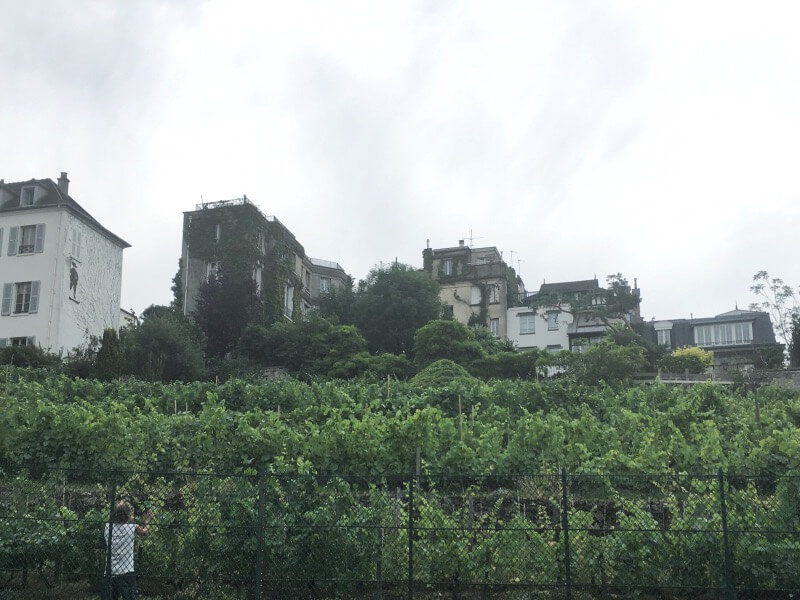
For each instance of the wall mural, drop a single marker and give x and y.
(73, 280)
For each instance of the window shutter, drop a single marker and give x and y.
(13, 232)
(39, 247)
(30, 341)
(6, 308)
(3, 342)
(34, 307)
(1, 241)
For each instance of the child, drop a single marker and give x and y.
(123, 531)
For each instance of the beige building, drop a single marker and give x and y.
(476, 284)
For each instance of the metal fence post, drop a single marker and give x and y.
(730, 592)
(565, 529)
(259, 538)
(411, 537)
(113, 496)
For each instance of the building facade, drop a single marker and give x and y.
(569, 315)
(475, 284)
(235, 235)
(739, 339)
(60, 269)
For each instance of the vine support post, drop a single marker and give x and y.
(411, 537)
(730, 592)
(113, 501)
(259, 570)
(565, 530)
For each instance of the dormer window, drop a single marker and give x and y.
(26, 196)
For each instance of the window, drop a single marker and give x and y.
(212, 268)
(324, 285)
(17, 341)
(26, 197)
(26, 239)
(724, 334)
(554, 347)
(447, 266)
(308, 280)
(527, 324)
(20, 298)
(288, 300)
(494, 294)
(476, 295)
(664, 337)
(447, 311)
(552, 320)
(257, 277)
(494, 325)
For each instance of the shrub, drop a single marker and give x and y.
(695, 359)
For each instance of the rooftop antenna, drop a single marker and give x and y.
(519, 267)
(511, 252)
(471, 237)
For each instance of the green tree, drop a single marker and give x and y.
(445, 339)
(226, 303)
(110, 357)
(794, 342)
(607, 362)
(337, 304)
(779, 300)
(616, 303)
(392, 303)
(177, 288)
(165, 346)
(312, 345)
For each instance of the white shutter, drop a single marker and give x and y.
(34, 306)
(8, 288)
(39, 247)
(13, 233)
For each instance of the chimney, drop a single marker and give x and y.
(460, 243)
(63, 183)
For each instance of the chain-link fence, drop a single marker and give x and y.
(421, 536)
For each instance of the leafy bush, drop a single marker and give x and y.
(442, 373)
(695, 359)
(607, 362)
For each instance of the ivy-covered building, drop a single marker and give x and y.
(475, 284)
(236, 236)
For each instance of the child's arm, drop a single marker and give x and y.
(145, 529)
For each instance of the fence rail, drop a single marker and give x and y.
(559, 535)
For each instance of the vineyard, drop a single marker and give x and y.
(358, 489)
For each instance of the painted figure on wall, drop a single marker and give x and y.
(73, 280)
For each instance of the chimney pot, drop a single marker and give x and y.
(460, 242)
(63, 182)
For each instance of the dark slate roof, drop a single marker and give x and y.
(53, 197)
(569, 287)
(763, 333)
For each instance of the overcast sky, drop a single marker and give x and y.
(656, 139)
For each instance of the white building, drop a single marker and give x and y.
(551, 319)
(60, 270)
